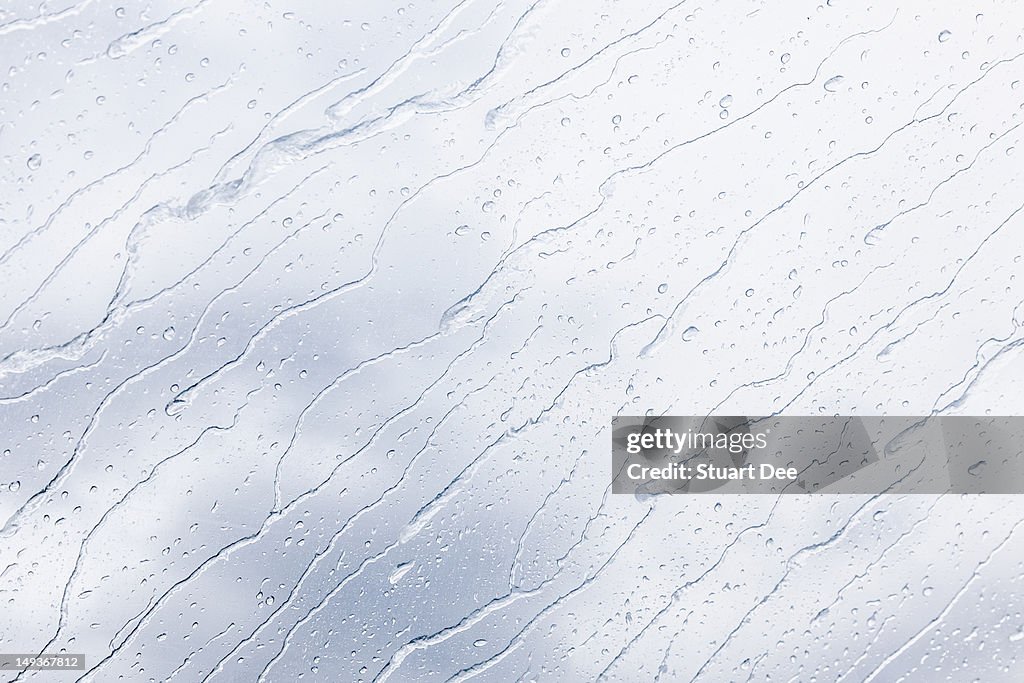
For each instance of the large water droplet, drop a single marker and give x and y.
(400, 571)
(832, 84)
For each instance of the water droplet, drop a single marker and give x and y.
(944, 36)
(34, 162)
(725, 102)
(662, 288)
(690, 333)
(175, 407)
(832, 84)
(400, 571)
(566, 52)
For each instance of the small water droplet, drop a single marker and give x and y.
(34, 162)
(944, 36)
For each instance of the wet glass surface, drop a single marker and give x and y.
(314, 317)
